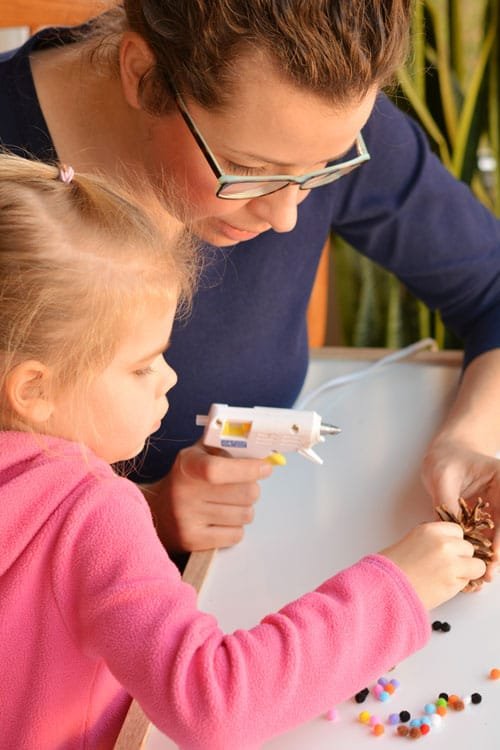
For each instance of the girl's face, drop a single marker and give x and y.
(272, 127)
(126, 402)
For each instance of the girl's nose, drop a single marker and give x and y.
(168, 377)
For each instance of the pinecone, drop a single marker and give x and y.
(475, 520)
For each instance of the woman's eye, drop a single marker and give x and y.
(239, 169)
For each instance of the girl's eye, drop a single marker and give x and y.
(144, 371)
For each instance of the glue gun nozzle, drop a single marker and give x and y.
(329, 429)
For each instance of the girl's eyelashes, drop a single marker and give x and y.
(144, 371)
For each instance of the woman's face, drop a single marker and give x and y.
(271, 128)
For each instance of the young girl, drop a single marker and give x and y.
(92, 611)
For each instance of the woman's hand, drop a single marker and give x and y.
(460, 460)
(206, 500)
(452, 469)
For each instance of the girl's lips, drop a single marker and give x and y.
(157, 424)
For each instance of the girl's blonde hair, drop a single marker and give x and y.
(77, 261)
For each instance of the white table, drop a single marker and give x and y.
(314, 520)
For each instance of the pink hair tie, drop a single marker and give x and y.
(66, 174)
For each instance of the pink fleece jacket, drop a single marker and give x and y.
(92, 611)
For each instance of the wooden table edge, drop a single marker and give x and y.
(451, 357)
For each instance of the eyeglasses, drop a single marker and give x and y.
(240, 187)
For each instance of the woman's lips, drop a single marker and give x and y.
(235, 234)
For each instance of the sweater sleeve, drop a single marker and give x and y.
(407, 212)
(124, 602)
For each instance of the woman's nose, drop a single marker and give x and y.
(278, 209)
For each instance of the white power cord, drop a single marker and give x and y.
(388, 359)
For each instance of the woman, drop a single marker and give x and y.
(206, 95)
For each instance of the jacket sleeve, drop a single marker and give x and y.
(125, 603)
(404, 210)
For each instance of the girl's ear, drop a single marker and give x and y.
(28, 390)
(136, 59)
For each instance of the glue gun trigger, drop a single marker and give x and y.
(310, 455)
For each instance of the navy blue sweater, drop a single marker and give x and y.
(246, 341)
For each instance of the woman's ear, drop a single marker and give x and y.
(28, 389)
(136, 59)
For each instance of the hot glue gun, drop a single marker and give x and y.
(262, 432)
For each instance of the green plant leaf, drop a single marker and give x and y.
(465, 135)
(424, 115)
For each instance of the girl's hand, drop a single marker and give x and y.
(206, 500)
(437, 560)
(452, 469)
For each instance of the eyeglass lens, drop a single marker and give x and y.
(257, 189)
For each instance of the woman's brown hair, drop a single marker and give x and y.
(337, 49)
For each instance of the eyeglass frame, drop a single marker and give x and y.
(224, 179)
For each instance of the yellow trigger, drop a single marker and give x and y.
(277, 459)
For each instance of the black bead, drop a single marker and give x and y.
(476, 698)
(362, 695)
(444, 695)
(404, 716)
(445, 627)
(437, 625)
